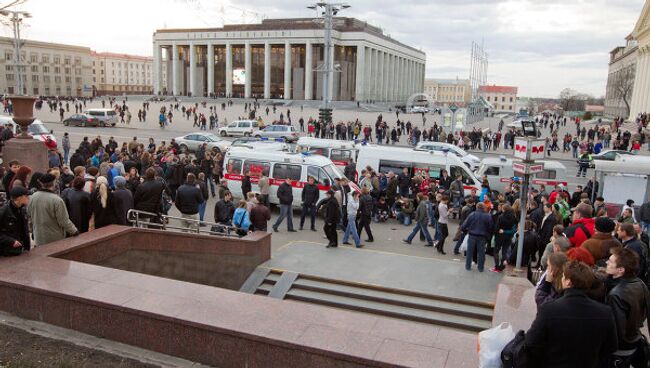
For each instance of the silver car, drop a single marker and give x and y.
(191, 142)
(285, 132)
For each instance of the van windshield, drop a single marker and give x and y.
(333, 172)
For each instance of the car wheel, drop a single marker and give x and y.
(83, 124)
(101, 124)
(247, 134)
(258, 136)
(66, 123)
(183, 148)
(223, 133)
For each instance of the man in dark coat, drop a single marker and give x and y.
(350, 171)
(332, 218)
(14, 232)
(148, 195)
(77, 201)
(574, 330)
(310, 196)
(246, 185)
(285, 196)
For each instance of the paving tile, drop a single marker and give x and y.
(449, 339)
(466, 359)
(413, 332)
(341, 342)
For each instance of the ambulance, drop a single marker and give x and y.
(340, 152)
(499, 173)
(278, 166)
(430, 163)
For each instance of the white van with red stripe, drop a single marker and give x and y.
(430, 163)
(499, 173)
(340, 152)
(278, 166)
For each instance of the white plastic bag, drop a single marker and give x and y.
(490, 344)
(463, 245)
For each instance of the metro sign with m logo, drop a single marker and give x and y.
(529, 149)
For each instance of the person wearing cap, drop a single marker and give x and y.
(583, 226)
(14, 230)
(332, 218)
(50, 220)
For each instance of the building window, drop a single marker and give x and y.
(10, 90)
(45, 59)
(67, 70)
(77, 60)
(503, 99)
(102, 72)
(36, 91)
(46, 69)
(34, 78)
(102, 79)
(488, 98)
(510, 108)
(9, 56)
(510, 99)
(66, 61)
(9, 68)
(57, 60)
(46, 78)
(10, 77)
(57, 69)
(33, 58)
(78, 80)
(34, 68)
(57, 79)
(101, 63)
(68, 79)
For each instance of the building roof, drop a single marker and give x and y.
(341, 24)
(446, 80)
(121, 56)
(497, 89)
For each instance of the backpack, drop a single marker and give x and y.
(514, 354)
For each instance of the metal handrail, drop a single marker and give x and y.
(134, 217)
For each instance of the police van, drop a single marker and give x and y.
(499, 172)
(429, 163)
(278, 166)
(340, 152)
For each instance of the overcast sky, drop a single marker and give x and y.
(541, 46)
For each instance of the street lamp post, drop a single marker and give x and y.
(16, 18)
(329, 10)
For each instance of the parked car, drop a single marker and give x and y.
(241, 128)
(82, 120)
(608, 155)
(286, 132)
(470, 160)
(191, 142)
(106, 117)
(419, 110)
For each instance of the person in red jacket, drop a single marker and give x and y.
(559, 190)
(583, 226)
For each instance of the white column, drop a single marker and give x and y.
(360, 93)
(645, 85)
(210, 63)
(267, 70)
(400, 80)
(375, 73)
(309, 73)
(386, 76)
(175, 69)
(637, 91)
(157, 68)
(249, 71)
(228, 70)
(369, 81)
(192, 70)
(398, 61)
(380, 75)
(287, 70)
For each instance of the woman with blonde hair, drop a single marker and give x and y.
(550, 285)
(100, 201)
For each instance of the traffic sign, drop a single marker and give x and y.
(524, 168)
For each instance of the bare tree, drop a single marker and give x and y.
(622, 86)
(571, 100)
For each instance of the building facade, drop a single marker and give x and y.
(502, 98)
(116, 74)
(620, 79)
(641, 93)
(47, 69)
(449, 91)
(280, 58)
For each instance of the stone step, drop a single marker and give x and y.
(390, 310)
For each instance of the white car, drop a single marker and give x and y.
(239, 128)
(419, 110)
(37, 129)
(191, 142)
(284, 132)
(468, 159)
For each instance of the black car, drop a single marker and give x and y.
(82, 120)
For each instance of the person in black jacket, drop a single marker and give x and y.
(246, 186)
(122, 201)
(506, 227)
(77, 201)
(574, 330)
(332, 218)
(366, 206)
(630, 301)
(14, 230)
(285, 195)
(350, 171)
(404, 183)
(545, 230)
(224, 210)
(309, 198)
(148, 195)
(188, 199)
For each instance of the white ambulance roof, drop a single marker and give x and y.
(407, 154)
(326, 143)
(277, 156)
(496, 161)
(625, 164)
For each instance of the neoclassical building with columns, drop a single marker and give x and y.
(281, 58)
(641, 91)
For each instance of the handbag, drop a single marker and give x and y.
(514, 354)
